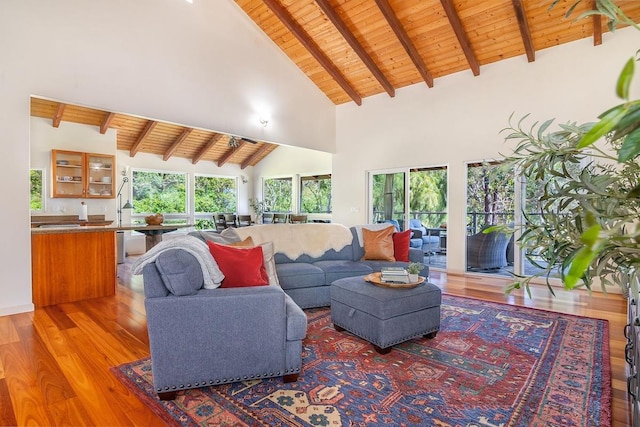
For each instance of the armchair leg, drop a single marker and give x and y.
(168, 395)
(290, 378)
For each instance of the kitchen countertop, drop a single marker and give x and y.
(74, 228)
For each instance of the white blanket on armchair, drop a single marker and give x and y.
(294, 240)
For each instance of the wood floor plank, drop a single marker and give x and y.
(8, 333)
(7, 417)
(29, 405)
(93, 370)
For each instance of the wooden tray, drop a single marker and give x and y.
(374, 278)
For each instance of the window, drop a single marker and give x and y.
(315, 194)
(428, 197)
(277, 194)
(159, 192)
(213, 195)
(490, 196)
(37, 189)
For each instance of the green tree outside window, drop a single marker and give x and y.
(278, 194)
(37, 186)
(315, 194)
(215, 194)
(159, 192)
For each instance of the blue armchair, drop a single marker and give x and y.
(201, 337)
(429, 241)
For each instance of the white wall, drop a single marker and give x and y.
(459, 120)
(204, 65)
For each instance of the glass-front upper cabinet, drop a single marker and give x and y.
(82, 175)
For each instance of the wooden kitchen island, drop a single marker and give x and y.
(72, 264)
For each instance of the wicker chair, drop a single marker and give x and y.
(487, 251)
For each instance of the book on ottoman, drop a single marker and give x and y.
(394, 275)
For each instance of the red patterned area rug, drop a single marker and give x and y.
(490, 365)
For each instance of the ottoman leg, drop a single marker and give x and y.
(431, 335)
(338, 328)
(382, 350)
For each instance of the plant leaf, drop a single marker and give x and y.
(624, 81)
(630, 147)
(606, 123)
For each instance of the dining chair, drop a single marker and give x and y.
(220, 222)
(279, 218)
(297, 219)
(267, 218)
(231, 220)
(244, 220)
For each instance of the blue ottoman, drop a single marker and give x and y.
(385, 316)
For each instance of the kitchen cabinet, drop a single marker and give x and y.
(82, 175)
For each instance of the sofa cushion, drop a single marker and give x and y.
(294, 275)
(334, 270)
(180, 272)
(401, 245)
(240, 266)
(378, 244)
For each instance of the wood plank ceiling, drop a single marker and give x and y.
(352, 49)
(138, 135)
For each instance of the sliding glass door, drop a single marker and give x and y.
(414, 199)
(388, 197)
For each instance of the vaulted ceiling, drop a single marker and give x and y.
(352, 49)
(139, 135)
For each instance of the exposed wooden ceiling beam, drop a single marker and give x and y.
(342, 28)
(313, 48)
(521, 15)
(57, 117)
(106, 122)
(137, 146)
(406, 42)
(205, 149)
(597, 26)
(249, 160)
(179, 140)
(456, 24)
(226, 156)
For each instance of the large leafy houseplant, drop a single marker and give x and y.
(588, 223)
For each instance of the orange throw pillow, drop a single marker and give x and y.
(378, 245)
(241, 267)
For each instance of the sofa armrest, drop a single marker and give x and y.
(215, 334)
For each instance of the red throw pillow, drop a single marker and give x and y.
(401, 242)
(241, 266)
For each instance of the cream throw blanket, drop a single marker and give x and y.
(294, 240)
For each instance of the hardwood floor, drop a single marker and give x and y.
(54, 362)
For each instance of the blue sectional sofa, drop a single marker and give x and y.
(306, 279)
(200, 337)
